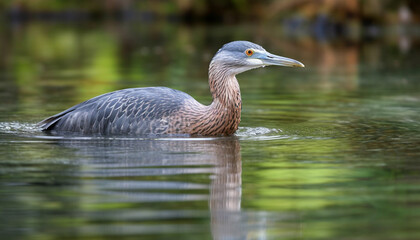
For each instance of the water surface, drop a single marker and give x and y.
(326, 152)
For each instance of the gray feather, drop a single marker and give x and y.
(127, 111)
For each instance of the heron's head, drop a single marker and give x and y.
(240, 56)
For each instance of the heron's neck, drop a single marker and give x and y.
(225, 110)
(224, 86)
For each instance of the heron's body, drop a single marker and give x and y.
(161, 110)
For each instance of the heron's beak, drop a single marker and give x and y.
(271, 59)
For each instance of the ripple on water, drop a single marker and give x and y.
(247, 133)
(18, 128)
(260, 133)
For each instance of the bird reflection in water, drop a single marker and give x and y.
(226, 193)
(106, 162)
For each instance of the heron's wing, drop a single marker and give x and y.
(49, 122)
(135, 110)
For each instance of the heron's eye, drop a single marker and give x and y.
(249, 52)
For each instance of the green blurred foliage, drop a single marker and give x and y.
(380, 11)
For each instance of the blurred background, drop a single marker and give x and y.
(336, 12)
(63, 47)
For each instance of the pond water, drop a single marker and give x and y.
(331, 151)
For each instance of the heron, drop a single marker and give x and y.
(165, 111)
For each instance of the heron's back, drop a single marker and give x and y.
(128, 111)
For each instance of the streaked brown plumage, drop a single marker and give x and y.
(160, 110)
